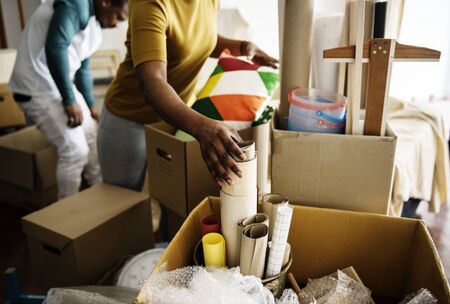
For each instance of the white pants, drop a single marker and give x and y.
(76, 147)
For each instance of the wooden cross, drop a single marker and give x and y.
(379, 54)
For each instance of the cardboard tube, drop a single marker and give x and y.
(327, 35)
(269, 205)
(253, 249)
(232, 210)
(296, 58)
(210, 223)
(248, 148)
(258, 218)
(279, 241)
(214, 249)
(247, 183)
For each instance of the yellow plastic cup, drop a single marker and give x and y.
(214, 249)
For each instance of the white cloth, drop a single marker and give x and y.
(76, 147)
(31, 75)
(422, 157)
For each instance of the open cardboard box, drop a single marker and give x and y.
(392, 256)
(178, 176)
(348, 172)
(28, 168)
(10, 113)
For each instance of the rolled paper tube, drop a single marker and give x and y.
(279, 240)
(246, 184)
(214, 249)
(287, 253)
(232, 210)
(248, 148)
(210, 223)
(269, 205)
(296, 55)
(258, 218)
(253, 250)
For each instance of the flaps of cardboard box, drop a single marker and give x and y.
(393, 256)
(348, 172)
(68, 219)
(10, 113)
(27, 159)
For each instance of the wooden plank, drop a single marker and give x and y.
(380, 64)
(403, 52)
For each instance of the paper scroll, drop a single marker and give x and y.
(269, 205)
(232, 210)
(279, 241)
(253, 249)
(248, 148)
(214, 249)
(296, 54)
(327, 35)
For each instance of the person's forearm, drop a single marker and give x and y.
(169, 106)
(224, 43)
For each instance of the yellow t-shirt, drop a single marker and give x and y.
(181, 33)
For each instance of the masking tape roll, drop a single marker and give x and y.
(232, 210)
(247, 183)
(214, 249)
(253, 249)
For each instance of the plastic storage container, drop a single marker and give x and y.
(313, 110)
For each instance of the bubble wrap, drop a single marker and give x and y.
(328, 290)
(194, 284)
(422, 296)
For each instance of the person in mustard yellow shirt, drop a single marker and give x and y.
(167, 43)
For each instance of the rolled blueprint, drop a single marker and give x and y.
(258, 218)
(269, 205)
(214, 249)
(279, 241)
(232, 210)
(327, 35)
(253, 249)
(296, 54)
(247, 183)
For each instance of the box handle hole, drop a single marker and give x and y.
(2, 99)
(164, 154)
(52, 250)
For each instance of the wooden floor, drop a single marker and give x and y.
(13, 252)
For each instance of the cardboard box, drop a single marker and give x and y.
(348, 172)
(28, 163)
(78, 239)
(392, 256)
(10, 113)
(178, 176)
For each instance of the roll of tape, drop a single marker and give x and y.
(247, 183)
(232, 210)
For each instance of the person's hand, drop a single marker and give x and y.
(218, 142)
(94, 114)
(256, 55)
(74, 115)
